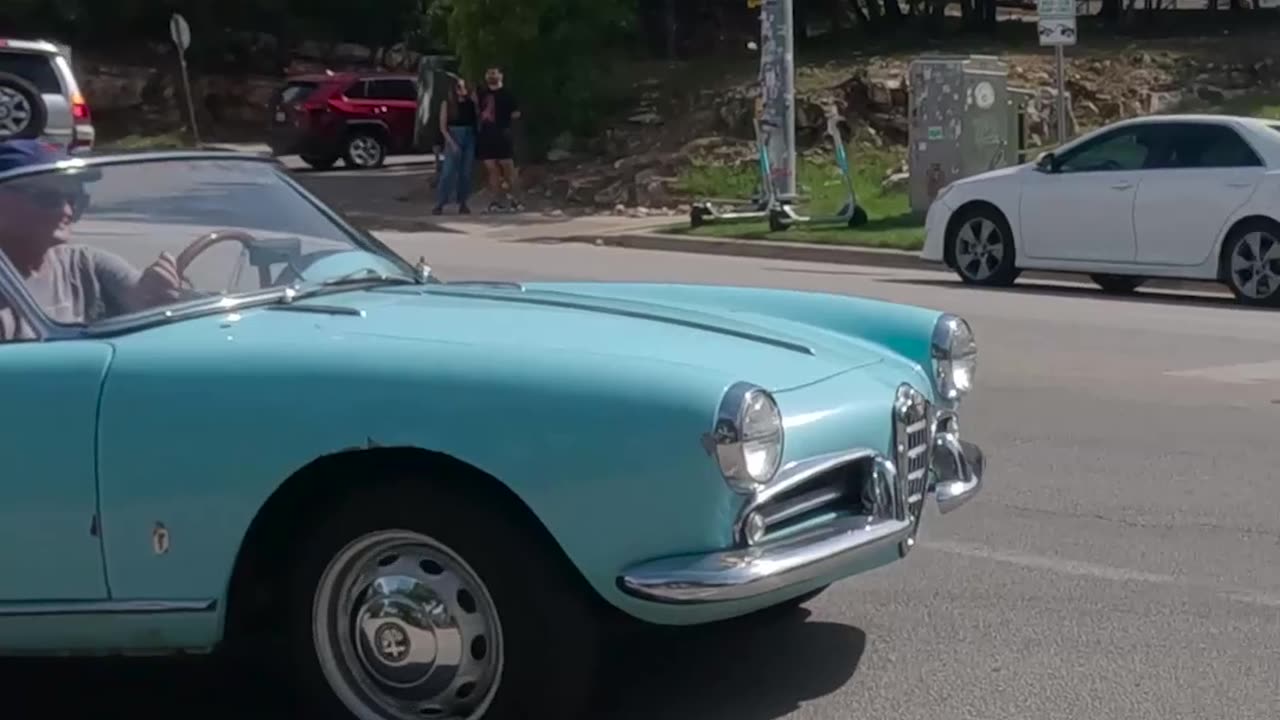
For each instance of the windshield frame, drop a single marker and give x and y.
(13, 289)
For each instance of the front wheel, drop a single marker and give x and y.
(980, 248)
(410, 605)
(1251, 263)
(365, 150)
(1118, 284)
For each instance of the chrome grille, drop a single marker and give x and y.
(913, 443)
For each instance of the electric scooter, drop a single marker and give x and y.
(783, 214)
(713, 209)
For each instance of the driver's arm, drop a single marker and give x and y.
(118, 281)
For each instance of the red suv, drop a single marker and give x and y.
(359, 118)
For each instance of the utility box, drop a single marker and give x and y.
(960, 123)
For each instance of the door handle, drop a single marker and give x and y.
(1121, 186)
(1240, 184)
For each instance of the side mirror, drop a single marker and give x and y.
(1044, 162)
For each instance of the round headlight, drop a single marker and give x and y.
(748, 437)
(955, 358)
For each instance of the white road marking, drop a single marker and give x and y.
(1105, 572)
(1244, 374)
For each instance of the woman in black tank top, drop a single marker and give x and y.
(458, 126)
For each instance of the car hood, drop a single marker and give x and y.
(774, 353)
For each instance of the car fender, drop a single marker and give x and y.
(367, 123)
(196, 436)
(1261, 203)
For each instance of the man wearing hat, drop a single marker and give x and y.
(71, 283)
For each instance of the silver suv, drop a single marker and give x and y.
(39, 95)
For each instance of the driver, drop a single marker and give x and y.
(72, 283)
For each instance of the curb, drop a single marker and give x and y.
(771, 249)
(833, 254)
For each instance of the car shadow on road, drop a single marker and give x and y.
(750, 669)
(1153, 296)
(753, 668)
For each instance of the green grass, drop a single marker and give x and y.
(890, 222)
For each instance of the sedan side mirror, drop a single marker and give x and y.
(1044, 163)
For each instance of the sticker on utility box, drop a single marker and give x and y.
(935, 132)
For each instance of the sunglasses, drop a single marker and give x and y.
(50, 199)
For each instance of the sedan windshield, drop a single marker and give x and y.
(139, 237)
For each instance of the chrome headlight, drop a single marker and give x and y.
(748, 437)
(955, 358)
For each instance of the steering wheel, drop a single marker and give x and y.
(210, 239)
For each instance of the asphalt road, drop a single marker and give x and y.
(1121, 563)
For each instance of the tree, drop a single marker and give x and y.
(557, 54)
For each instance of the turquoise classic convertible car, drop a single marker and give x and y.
(232, 420)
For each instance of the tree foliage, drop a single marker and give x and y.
(555, 53)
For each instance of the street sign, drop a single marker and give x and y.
(180, 31)
(1057, 31)
(1057, 28)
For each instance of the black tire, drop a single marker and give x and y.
(1004, 272)
(698, 216)
(18, 95)
(1241, 243)
(549, 629)
(778, 221)
(858, 218)
(1118, 284)
(365, 150)
(320, 162)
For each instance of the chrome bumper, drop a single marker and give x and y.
(845, 543)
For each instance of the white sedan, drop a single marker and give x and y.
(1174, 196)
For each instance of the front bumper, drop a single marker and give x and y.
(839, 546)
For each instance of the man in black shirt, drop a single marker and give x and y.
(497, 108)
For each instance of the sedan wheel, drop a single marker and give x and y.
(1253, 265)
(404, 625)
(981, 249)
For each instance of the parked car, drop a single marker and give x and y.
(423, 498)
(40, 97)
(360, 119)
(1177, 196)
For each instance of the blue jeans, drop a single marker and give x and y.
(455, 176)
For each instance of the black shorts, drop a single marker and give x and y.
(494, 145)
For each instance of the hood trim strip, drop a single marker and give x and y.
(637, 314)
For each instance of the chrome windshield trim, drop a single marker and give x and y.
(45, 329)
(106, 607)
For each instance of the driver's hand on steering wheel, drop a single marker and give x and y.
(160, 282)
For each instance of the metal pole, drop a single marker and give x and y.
(191, 106)
(789, 93)
(1061, 56)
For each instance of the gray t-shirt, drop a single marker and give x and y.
(75, 284)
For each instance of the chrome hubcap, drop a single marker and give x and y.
(979, 248)
(1255, 265)
(365, 151)
(15, 112)
(404, 628)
